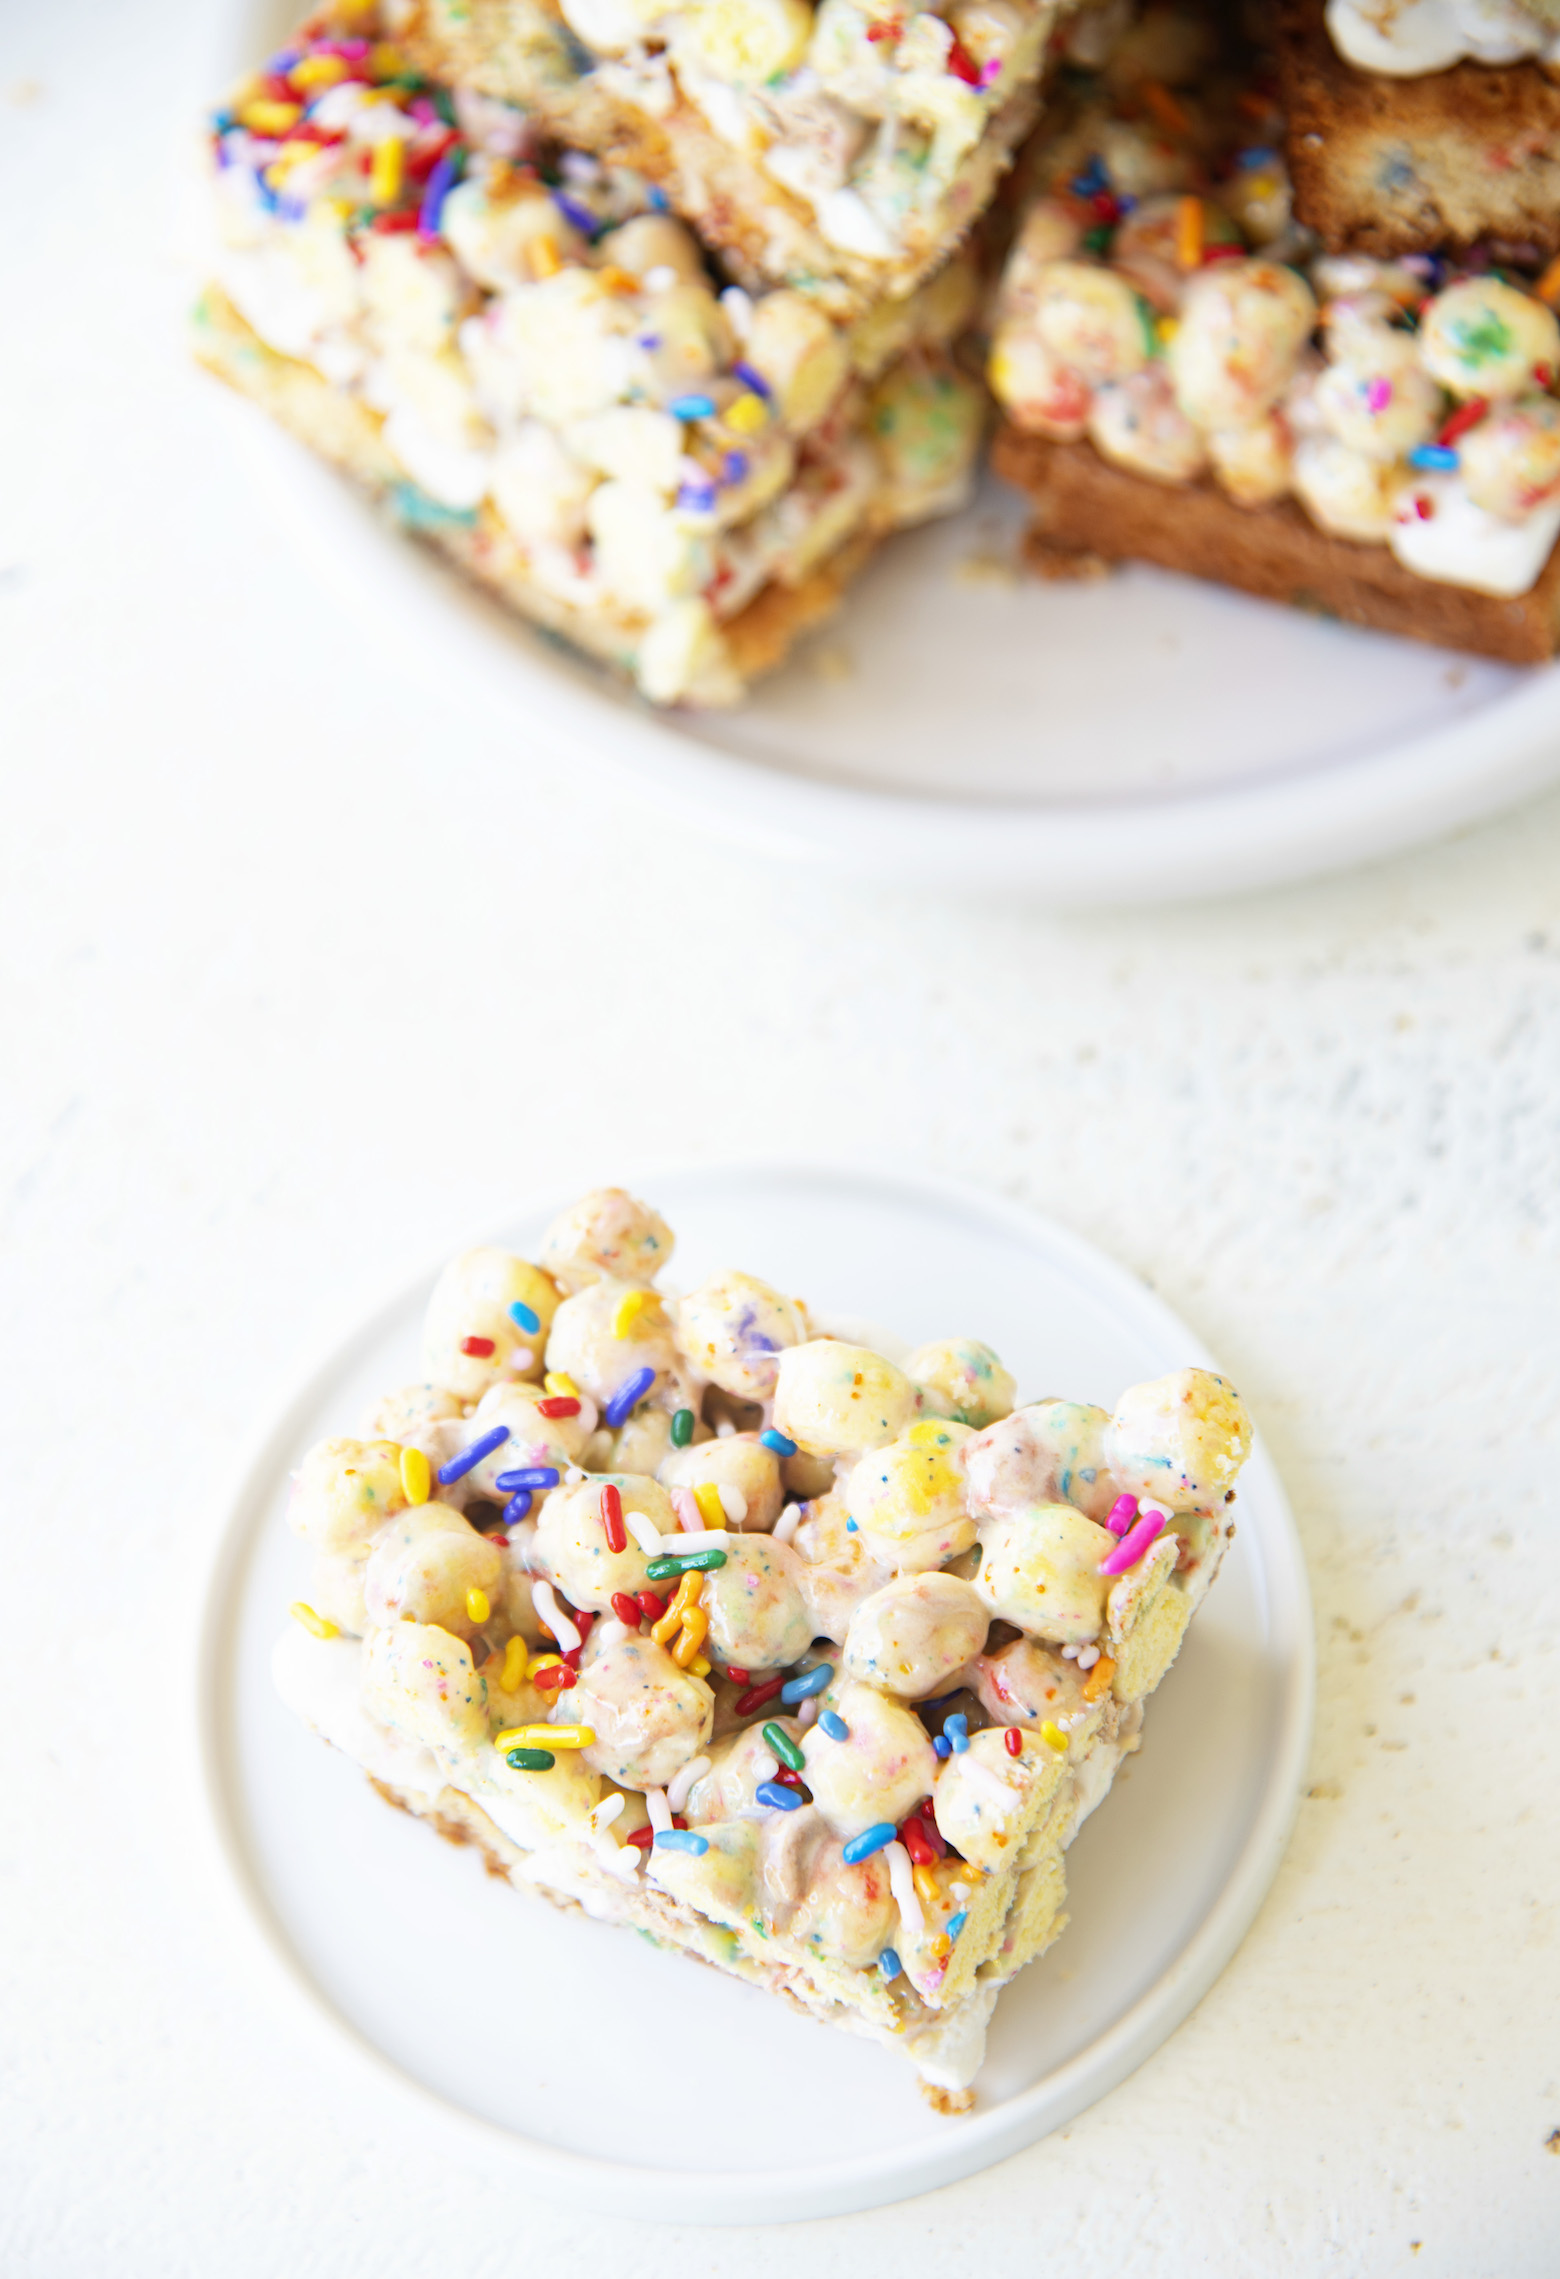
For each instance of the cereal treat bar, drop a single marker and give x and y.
(1189, 379)
(842, 148)
(535, 369)
(1431, 123)
(808, 1662)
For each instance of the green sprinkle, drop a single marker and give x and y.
(685, 1563)
(531, 1760)
(1096, 240)
(682, 1428)
(777, 1738)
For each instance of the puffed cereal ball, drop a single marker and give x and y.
(411, 1410)
(880, 1771)
(649, 1717)
(1043, 394)
(423, 1567)
(653, 241)
(740, 1463)
(800, 355)
(1040, 1570)
(1180, 1440)
(492, 232)
(734, 1328)
(1138, 424)
(1051, 232)
(533, 1438)
(1243, 325)
(472, 1337)
(1092, 321)
(571, 1549)
(745, 42)
(419, 1680)
(739, 1764)
(834, 1399)
(1252, 464)
(1483, 338)
(910, 1637)
(908, 1499)
(848, 1913)
(1377, 398)
(1343, 491)
(604, 1335)
(606, 1232)
(965, 1378)
(1024, 1683)
(1047, 1452)
(343, 1491)
(1511, 461)
(758, 1619)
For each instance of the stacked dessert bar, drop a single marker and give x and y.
(1280, 313)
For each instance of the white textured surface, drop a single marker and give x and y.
(283, 1016)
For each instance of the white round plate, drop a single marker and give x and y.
(369, 1908)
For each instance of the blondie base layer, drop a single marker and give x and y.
(808, 1663)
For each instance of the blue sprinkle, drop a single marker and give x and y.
(775, 1792)
(941, 1702)
(889, 1963)
(414, 507)
(942, 1748)
(692, 407)
(577, 216)
(282, 62)
(957, 1730)
(648, 340)
(1249, 160)
(851, 1528)
(772, 1439)
(754, 379)
(525, 1318)
(657, 199)
(831, 1722)
(627, 1398)
(440, 183)
(957, 1922)
(517, 1507)
(681, 1840)
(1091, 181)
(696, 498)
(811, 1682)
(869, 1841)
(1437, 455)
(470, 1458)
(528, 1476)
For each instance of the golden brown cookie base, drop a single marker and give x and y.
(1083, 505)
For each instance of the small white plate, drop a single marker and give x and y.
(497, 2005)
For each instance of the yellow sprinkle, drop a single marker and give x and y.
(1098, 1679)
(477, 1606)
(699, 1666)
(1189, 232)
(1548, 286)
(711, 1510)
(560, 1387)
(1052, 1734)
(695, 1628)
(384, 181)
(512, 1675)
(545, 259)
(547, 1737)
(630, 1306)
(747, 415)
(318, 71)
(541, 1662)
(1168, 327)
(385, 61)
(316, 1624)
(926, 1884)
(266, 116)
(942, 1946)
(416, 1476)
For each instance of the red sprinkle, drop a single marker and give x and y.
(584, 1622)
(612, 1518)
(756, 1696)
(1013, 1741)
(1423, 507)
(478, 1347)
(787, 1778)
(561, 1404)
(917, 1843)
(394, 225)
(651, 1605)
(626, 1609)
(571, 1660)
(1467, 415)
(737, 1677)
(421, 162)
(643, 1837)
(962, 64)
(556, 1677)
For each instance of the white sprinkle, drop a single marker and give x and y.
(725, 1429)
(1069, 1653)
(788, 1522)
(959, 1890)
(901, 1878)
(1087, 1657)
(645, 1533)
(678, 1787)
(602, 1816)
(573, 1476)
(578, 166)
(546, 1604)
(1148, 1509)
(739, 308)
(808, 1712)
(660, 279)
(659, 1810)
(696, 1539)
(522, 1359)
(765, 1768)
(733, 1503)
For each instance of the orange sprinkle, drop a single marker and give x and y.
(545, 259)
(695, 1627)
(618, 280)
(1189, 232)
(685, 1603)
(1098, 1679)
(1164, 106)
(927, 1886)
(1548, 286)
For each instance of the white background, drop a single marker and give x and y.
(289, 1007)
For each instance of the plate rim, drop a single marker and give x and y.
(734, 2197)
(1151, 849)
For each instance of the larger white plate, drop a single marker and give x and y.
(502, 2009)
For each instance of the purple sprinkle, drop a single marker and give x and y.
(625, 1400)
(648, 340)
(736, 467)
(470, 1458)
(517, 1507)
(577, 216)
(696, 498)
(440, 183)
(752, 378)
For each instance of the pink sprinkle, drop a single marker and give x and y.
(990, 73)
(687, 1510)
(1132, 1547)
(1378, 395)
(1121, 1514)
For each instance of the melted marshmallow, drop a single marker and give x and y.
(1427, 35)
(1462, 545)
